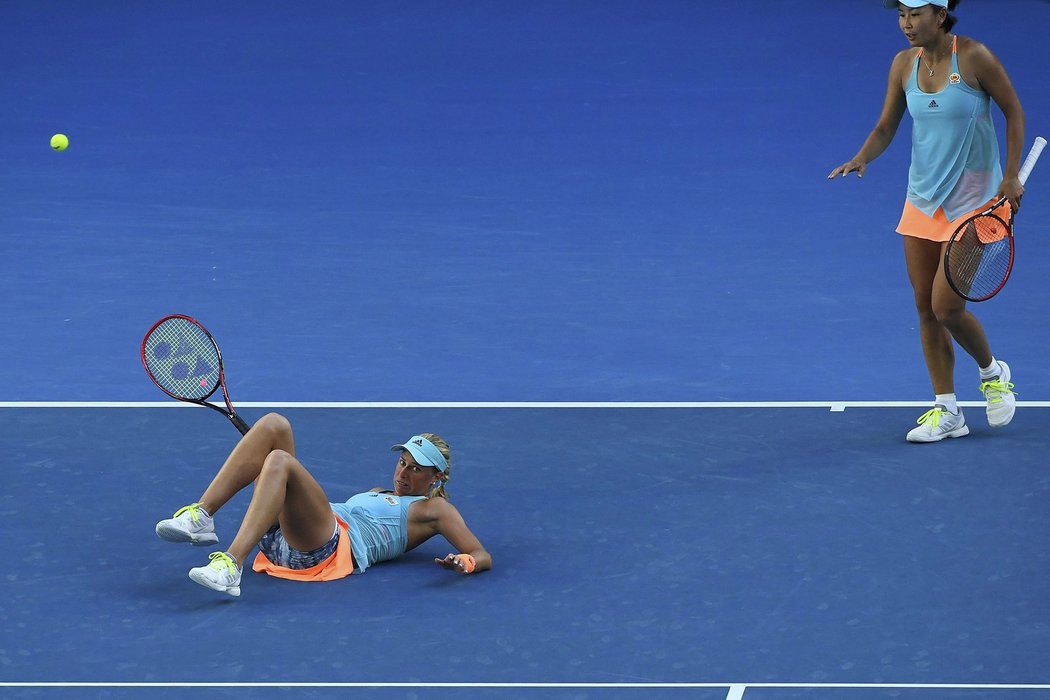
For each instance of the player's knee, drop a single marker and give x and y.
(275, 423)
(949, 315)
(278, 464)
(926, 313)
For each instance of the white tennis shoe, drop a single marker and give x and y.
(220, 574)
(189, 524)
(938, 423)
(999, 394)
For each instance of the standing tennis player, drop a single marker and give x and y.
(301, 536)
(947, 82)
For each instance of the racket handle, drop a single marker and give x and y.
(1033, 156)
(239, 423)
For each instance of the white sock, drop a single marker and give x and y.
(991, 371)
(950, 403)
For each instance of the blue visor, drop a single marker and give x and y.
(424, 452)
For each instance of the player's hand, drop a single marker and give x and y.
(460, 563)
(850, 166)
(1013, 190)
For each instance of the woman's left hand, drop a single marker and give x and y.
(460, 563)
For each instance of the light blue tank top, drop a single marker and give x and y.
(377, 525)
(954, 153)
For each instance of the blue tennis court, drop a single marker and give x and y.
(592, 245)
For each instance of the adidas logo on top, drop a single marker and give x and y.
(933, 104)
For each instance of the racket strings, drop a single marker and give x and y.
(980, 257)
(182, 359)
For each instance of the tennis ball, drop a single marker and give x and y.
(59, 142)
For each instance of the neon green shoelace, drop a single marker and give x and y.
(995, 390)
(933, 417)
(194, 510)
(220, 559)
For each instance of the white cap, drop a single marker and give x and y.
(892, 4)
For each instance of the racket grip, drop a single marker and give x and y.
(1033, 156)
(239, 423)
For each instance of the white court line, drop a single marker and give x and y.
(736, 692)
(834, 406)
(734, 687)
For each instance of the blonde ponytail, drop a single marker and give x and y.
(438, 490)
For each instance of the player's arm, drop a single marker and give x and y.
(448, 523)
(992, 78)
(889, 119)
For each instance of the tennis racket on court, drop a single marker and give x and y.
(183, 359)
(980, 254)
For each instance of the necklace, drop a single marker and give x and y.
(928, 66)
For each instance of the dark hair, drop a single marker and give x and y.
(950, 21)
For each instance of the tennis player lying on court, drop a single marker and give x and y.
(301, 535)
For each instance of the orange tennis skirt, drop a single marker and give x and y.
(938, 228)
(339, 565)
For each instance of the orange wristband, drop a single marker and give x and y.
(467, 561)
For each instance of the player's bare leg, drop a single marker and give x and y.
(285, 494)
(951, 312)
(923, 258)
(945, 419)
(272, 432)
(195, 523)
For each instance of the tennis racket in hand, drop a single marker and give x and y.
(980, 254)
(183, 359)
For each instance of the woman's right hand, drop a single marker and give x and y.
(851, 166)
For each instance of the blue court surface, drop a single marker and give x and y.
(592, 245)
